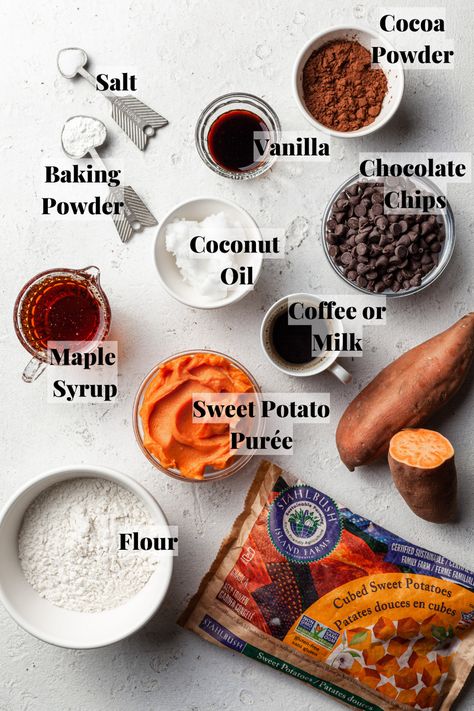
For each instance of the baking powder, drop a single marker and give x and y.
(81, 133)
(68, 545)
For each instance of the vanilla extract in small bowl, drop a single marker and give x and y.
(231, 139)
(234, 134)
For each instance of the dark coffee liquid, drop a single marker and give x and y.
(60, 309)
(292, 341)
(231, 139)
(295, 342)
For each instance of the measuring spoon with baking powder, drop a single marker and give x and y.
(134, 117)
(82, 135)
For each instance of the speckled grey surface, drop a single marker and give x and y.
(185, 54)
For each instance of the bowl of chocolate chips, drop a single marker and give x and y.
(378, 248)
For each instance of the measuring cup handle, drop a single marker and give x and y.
(341, 373)
(33, 370)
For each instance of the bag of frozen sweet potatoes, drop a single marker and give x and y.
(306, 586)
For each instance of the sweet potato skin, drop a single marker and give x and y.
(405, 393)
(430, 493)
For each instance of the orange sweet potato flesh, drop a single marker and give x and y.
(405, 393)
(423, 469)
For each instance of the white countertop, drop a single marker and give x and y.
(185, 53)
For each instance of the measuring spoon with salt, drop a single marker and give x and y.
(82, 135)
(134, 117)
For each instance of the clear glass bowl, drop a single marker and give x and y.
(232, 102)
(444, 256)
(213, 474)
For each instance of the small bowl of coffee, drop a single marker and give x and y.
(294, 338)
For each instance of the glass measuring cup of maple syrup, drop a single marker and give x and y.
(227, 131)
(58, 306)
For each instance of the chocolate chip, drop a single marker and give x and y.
(380, 251)
(352, 189)
(362, 268)
(382, 262)
(340, 230)
(401, 251)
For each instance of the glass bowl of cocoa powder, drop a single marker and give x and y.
(377, 251)
(339, 90)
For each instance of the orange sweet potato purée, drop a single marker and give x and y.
(324, 595)
(170, 434)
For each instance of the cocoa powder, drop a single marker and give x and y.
(340, 88)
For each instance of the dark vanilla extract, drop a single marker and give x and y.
(231, 139)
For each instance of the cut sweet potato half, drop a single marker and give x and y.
(423, 469)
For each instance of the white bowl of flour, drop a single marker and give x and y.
(63, 577)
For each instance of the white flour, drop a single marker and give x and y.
(81, 133)
(68, 545)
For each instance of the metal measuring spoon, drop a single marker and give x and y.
(134, 117)
(92, 132)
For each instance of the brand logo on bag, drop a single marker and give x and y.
(304, 524)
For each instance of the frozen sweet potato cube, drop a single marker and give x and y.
(387, 666)
(359, 638)
(388, 690)
(426, 698)
(431, 674)
(373, 654)
(356, 669)
(430, 622)
(406, 678)
(408, 628)
(417, 662)
(424, 645)
(384, 628)
(407, 696)
(444, 662)
(370, 678)
(397, 646)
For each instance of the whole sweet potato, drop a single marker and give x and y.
(405, 393)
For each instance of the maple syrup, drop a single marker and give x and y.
(61, 308)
